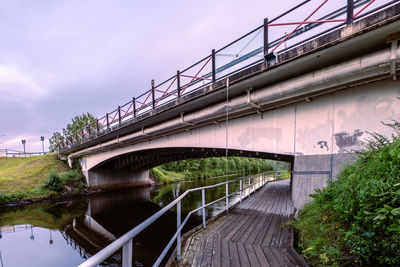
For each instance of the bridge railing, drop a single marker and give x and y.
(262, 44)
(249, 184)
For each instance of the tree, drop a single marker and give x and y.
(55, 140)
(78, 123)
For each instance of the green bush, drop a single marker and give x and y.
(356, 219)
(54, 182)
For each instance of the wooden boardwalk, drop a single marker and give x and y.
(252, 234)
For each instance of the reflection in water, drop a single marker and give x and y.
(66, 233)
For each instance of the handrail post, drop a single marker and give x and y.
(153, 94)
(178, 224)
(213, 65)
(275, 176)
(203, 210)
(108, 123)
(119, 115)
(97, 126)
(249, 186)
(178, 83)
(127, 254)
(241, 189)
(265, 37)
(350, 12)
(134, 107)
(227, 197)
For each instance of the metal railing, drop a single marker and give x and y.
(246, 51)
(254, 182)
(16, 153)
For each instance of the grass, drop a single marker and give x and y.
(355, 220)
(22, 178)
(164, 176)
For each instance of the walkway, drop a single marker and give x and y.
(252, 234)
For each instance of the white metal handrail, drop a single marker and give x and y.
(125, 241)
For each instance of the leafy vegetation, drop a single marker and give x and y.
(356, 219)
(211, 167)
(75, 127)
(36, 177)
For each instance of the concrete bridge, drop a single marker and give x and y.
(311, 104)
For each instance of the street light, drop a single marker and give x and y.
(42, 139)
(24, 142)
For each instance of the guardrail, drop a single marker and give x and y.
(16, 153)
(253, 183)
(250, 49)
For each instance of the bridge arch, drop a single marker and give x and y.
(132, 168)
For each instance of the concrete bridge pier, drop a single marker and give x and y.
(312, 172)
(109, 177)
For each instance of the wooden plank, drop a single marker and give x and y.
(208, 251)
(234, 255)
(225, 257)
(216, 256)
(270, 256)
(261, 256)
(198, 254)
(243, 256)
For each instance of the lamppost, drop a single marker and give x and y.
(42, 139)
(24, 142)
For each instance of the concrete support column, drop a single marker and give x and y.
(312, 172)
(108, 179)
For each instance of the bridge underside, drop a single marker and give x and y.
(132, 169)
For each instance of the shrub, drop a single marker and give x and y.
(54, 182)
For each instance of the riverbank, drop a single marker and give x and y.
(30, 179)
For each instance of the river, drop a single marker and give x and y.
(65, 233)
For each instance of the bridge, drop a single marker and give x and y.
(309, 97)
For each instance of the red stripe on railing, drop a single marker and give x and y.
(201, 78)
(307, 22)
(362, 9)
(298, 26)
(196, 74)
(159, 99)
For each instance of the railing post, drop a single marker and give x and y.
(108, 123)
(203, 210)
(134, 107)
(153, 94)
(249, 186)
(119, 115)
(127, 254)
(241, 189)
(275, 176)
(89, 130)
(213, 65)
(350, 12)
(265, 37)
(178, 82)
(178, 224)
(227, 196)
(97, 126)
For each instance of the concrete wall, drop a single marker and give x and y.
(333, 124)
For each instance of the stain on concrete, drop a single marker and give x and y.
(323, 144)
(346, 141)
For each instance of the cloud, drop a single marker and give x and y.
(17, 87)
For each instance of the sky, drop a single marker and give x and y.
(63, 58)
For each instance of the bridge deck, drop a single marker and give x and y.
(252, 234)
